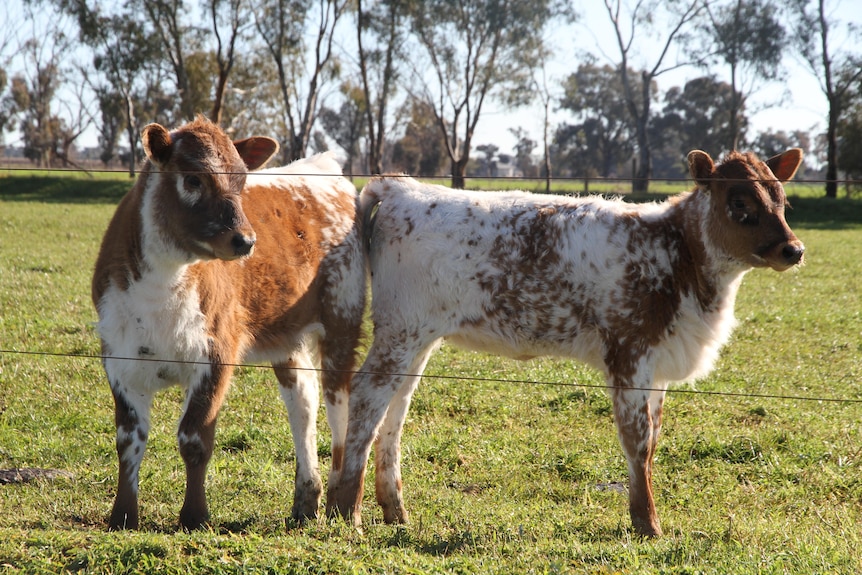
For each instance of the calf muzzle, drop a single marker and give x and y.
(242, 244)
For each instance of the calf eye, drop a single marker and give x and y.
(740, 211)
(193, 182)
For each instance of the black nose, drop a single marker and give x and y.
(792, 254)
(242, 244)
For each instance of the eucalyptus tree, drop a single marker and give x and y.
(602, 135)
(700, 116)
(747, 36)
(177, 38)
(7, 104)
(639, 22)
(421, 149)
(43, 55)
(380, 31)
(346, 125)
(772, 142)
(835, 62)
(126, 64)
(300, 38)
(227, 19)
(849, 131)
(198, 44)
(474, 49)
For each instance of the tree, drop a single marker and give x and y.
(813, 33)
(748, 37)
(7, 103)
(540, 83)
(111, 109)
(771, 143)
(524, 152)
(346, 125)
(126, 59)
(281, 24)
(474, 48)
(602, 137)
(34, 91)
(8, 108)
(849, 134)
(421, 150)
(227, 12)
(487, 165)
(678, 16)
(383, 21)
(177, 40)
(252, 104)
(700, 117)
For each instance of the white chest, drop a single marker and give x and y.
(692, 348)
(155, 335)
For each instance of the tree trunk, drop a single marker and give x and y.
(832, 151)
(459, 173)
(547, 150)
(130, 130)
(640, 183)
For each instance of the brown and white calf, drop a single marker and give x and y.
(644, 293)
(205, 265)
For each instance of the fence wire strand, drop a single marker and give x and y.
(536, 180)
(472, 379)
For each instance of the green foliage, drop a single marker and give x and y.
(500, 477)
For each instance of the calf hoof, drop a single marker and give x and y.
(192, 520)
(121, 520)
(349, 513)
(395, 513)
(306, 501)
(647, 528)
(302, 514)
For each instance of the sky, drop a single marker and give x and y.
(795, 103)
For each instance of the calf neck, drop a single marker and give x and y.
(644, 293)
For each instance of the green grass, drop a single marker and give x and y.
(499, 477)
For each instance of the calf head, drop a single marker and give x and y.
(198, 197)
(747, 200)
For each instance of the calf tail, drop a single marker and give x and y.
(369, 201)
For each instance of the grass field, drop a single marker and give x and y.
(759, 468)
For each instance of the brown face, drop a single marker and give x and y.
(212, 220)
(756, 231)
(199, 199)
(748, 203)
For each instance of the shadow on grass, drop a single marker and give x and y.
(63, 189)
(825, 213)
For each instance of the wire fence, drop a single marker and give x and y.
(473, 379)
(534, 180)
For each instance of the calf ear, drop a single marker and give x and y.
(157, 143)
(784, 165)
(701, 167)
(256, 151)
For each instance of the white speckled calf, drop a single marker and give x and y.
(644, 293)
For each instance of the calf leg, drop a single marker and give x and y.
(638, 418)
(387, 447)
(132, 416)
(379, 379)
(196, 438)
(339, 361)
(300, 393)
